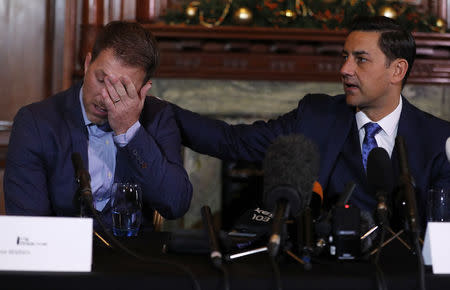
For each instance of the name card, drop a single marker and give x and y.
(435, 248)
(45, 244)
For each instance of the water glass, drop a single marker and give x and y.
(438, 205)
(126, 206)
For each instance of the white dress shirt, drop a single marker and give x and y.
(389, 126)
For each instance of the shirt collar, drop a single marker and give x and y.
(389, 123)
(83, 111)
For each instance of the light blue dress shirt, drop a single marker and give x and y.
(102, 152)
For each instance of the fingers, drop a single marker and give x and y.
(107, 101)
(111, 88)
(145, 89)
(129, 86)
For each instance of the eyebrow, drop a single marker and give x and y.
(356, 53)
(99, 73)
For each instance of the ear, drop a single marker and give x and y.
(400, 67)
(145, 88)
(87, 61)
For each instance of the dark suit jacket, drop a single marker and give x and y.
(39, 176)
(328, 121)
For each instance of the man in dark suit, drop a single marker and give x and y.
(121, 134)
(377, 57)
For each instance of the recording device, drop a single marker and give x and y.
(380, 176)
(290, 167)
(407, 189)
(346, 225)
(84, 181)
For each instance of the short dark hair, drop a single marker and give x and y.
(395, 41)
(131, 43)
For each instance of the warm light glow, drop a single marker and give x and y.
(289, 13)
(244, 13)
(191, 11)
(388, 12)
(440, 23)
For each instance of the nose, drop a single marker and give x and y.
(348, 67)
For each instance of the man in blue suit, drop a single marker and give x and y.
(377, 57)
(121, 134)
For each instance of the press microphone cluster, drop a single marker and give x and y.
(291, 166)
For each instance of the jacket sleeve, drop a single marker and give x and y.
(232, 142)
(152, 158)
(25, 179)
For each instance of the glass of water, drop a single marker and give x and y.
(126, 206)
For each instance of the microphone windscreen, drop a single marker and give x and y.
(380, 174)
(291, 161)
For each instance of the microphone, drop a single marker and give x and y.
(345, 196)
(447, 149)
(406, 185)
(380, 176)
(316, 200)
(216, 256)
(290, 167)
(84, 181)
(305, 224)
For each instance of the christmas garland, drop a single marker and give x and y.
(324, 14)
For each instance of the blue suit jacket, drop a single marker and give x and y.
(39, 176)
(327, 120)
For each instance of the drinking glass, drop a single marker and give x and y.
(126, 206)
(438, 205)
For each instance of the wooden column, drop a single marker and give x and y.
(91, 23)
(148, 11)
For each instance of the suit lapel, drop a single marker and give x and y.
(75, 123)
(408, 127)
(337, 136)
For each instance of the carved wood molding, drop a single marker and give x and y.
(278, 54)
(257, 53)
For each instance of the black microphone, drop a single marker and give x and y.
(406, 185)
(216, 256)
(305, 224)
(290, 166)
(380, 176)
(84, 181)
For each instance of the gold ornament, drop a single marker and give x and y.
(243, 16)
(441, 25)
(301, 8)
(213, 22)
(191, 11)
(388, 11)
(289, 14)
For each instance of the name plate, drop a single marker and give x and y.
(45, 244)
(435, 250)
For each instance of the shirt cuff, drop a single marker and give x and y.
(123, 139)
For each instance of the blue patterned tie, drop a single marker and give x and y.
(369, 141)
(105, 127)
